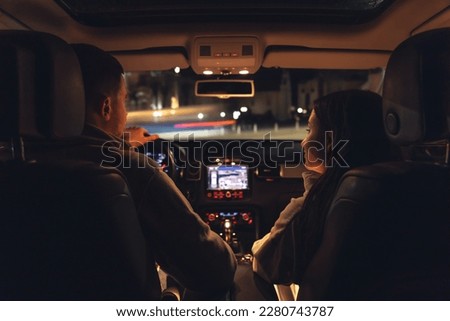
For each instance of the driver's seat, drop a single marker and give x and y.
(387, 234)
(69, 229)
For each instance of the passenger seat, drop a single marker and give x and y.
(387, 234)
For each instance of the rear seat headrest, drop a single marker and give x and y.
(41, 87)
(416, 94)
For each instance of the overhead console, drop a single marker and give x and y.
(222, 55)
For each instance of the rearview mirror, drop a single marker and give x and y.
(224, 88)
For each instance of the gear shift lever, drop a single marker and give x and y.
(227, 229)
(229, 236)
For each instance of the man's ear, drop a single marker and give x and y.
(106, 109)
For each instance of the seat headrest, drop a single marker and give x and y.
(416, 94)
(41, 87)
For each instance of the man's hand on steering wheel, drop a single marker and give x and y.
(138, 136)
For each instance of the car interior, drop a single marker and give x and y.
(228, 88)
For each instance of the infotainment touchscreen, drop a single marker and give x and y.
(227, 177)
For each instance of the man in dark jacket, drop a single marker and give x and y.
(178, 240)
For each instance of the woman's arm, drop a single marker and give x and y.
(272, 261)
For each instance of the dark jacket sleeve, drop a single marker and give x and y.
(184, 246)
(275, 254)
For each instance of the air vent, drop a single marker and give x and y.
(267, 171)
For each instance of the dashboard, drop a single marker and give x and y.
(239, 192)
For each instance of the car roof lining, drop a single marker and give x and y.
(369, 41)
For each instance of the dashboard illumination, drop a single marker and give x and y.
(227, 224)
(227, 177)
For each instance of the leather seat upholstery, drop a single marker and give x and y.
(69, 229)
(387, 234)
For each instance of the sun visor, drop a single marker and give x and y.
(159, 59)
(300, 57)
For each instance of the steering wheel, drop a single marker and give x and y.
(161, 151)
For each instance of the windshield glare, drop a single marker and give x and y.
(164, 103)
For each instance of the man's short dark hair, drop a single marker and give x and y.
(102, 72)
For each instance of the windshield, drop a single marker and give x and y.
(164, 103)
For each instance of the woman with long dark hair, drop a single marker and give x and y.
(345, 130)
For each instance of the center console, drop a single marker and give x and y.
(229, 213)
